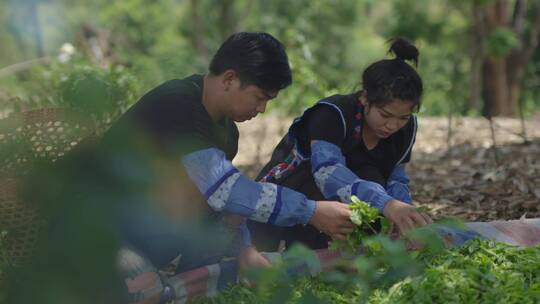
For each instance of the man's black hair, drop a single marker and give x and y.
(258, 58)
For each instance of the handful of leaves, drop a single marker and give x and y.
(364, 217)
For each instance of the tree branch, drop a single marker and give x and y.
(494, 142)
(198, 33)
(533, 34)
(518, 18)
(21, 66)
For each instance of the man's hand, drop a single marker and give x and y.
(251, 258)
(405, 216)
(332, 218)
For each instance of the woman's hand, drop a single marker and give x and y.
(405, 216)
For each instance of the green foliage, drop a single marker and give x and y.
(317, 36)
(138, 23)
(307, 89)
(481, 271)
(478, 272)
(363, 216)
(362, 213)
(418, 20)
(531, 83)
(501, 42)
(76, 252)
(95, 90)
(316, 30)
(304, 290)
(81, 86)
(350, 283)
(5, 265)
(329, 42)
(438, 28)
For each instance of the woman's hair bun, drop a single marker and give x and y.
(404, 49)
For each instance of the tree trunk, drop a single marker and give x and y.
(519, 58)
(494, 77)
(198, 33)
(502, 77)
(476, 37)
(495, 90)
(37, 29)
(515, 75)
(226, 19)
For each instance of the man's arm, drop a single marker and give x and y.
(226, 189)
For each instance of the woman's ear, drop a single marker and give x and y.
(363, 98)
(364, 102)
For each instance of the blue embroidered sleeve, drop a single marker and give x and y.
(398, 185)
(336, 181)
(225, 189)
(246, 236)
(241, 240)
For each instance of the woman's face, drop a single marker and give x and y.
(387, 119)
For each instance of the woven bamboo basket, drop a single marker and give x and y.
(24, 138)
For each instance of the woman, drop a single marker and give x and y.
(355, 144)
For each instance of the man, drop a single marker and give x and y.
(190, 123)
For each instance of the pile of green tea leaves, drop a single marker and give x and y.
(480, 271)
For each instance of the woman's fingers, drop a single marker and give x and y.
(427, 218)
(407, 223)
(419, 219)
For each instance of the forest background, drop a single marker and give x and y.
(477, 57)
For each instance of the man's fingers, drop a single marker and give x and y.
(346, 230)
(344, 220)
(346, 213)
(339, 237)
(346, 224)
(265, 261)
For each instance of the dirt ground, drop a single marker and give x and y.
(465, 176)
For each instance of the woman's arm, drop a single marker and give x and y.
(334, 179)
(398, 185)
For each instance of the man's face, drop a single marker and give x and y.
(388, 119)
(246, 101)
